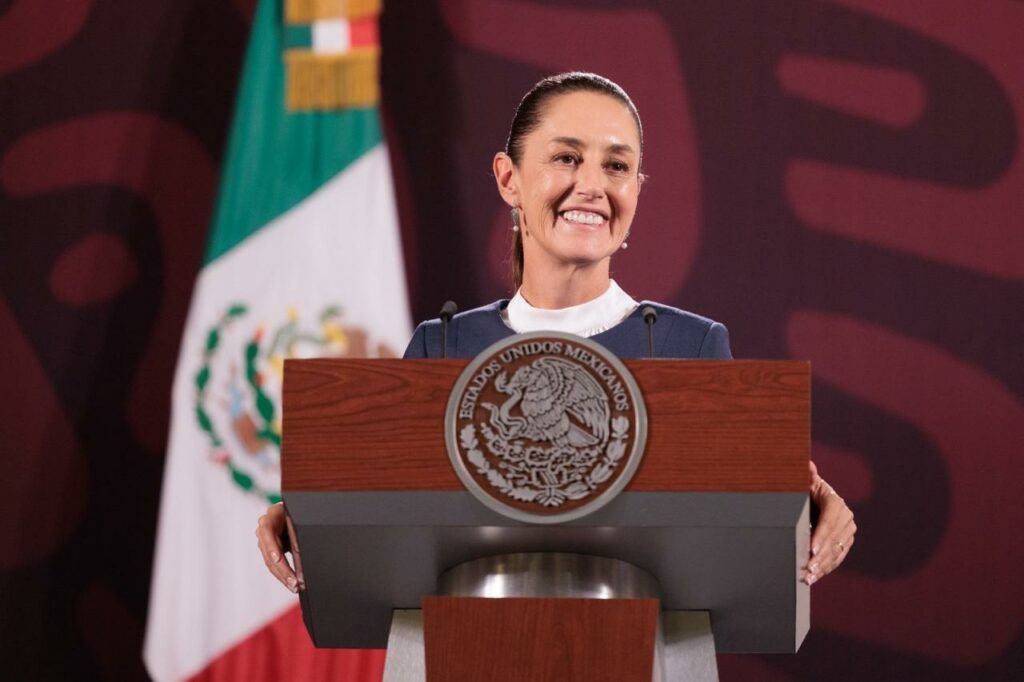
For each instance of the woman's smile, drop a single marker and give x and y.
(578, 217)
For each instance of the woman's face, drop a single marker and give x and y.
(577, 183)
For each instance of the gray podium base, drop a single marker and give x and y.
(685, 651)
(406, 658)
(687, 648)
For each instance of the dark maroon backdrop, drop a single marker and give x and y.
(840, 181)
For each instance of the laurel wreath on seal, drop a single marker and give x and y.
(551, 495)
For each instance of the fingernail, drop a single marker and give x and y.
(811, 578)
(813, 568)
(293, 585)
(816, 549)
(275, 557)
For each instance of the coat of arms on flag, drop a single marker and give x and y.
(239, 380)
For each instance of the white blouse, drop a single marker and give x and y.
(585, 319)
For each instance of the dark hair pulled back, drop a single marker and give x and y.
(528, 117)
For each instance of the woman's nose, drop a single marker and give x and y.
(590, 181)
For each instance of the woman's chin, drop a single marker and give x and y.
(584, 257)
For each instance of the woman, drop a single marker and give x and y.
(570, 173)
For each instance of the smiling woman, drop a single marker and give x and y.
(574, 132)
(570, 172)
(574, 185)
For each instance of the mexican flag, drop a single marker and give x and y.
(303, 260)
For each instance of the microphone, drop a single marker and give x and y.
(447, 311)
(650, 317)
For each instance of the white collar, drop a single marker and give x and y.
(585, 319)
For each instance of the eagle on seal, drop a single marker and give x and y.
(548, 392)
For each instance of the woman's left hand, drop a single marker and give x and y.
(833, 536)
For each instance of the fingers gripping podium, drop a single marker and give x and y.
(698, 550)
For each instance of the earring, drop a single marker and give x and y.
(515, 219)
(624, 246)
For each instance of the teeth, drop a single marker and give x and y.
(584, 217)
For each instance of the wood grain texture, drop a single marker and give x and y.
(539, 640)
(713, 426)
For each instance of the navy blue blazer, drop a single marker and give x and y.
(677, 334)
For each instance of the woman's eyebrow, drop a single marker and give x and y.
(571, 141)
(617, 148)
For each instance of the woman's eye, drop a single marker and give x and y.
(618, 166)
(566, 159)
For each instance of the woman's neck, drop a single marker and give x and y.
(564, 287)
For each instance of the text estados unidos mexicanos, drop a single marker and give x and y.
(471, 394)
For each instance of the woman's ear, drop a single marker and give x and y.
(640, 180)
(504, 176)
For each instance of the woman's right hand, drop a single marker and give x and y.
(273, 531)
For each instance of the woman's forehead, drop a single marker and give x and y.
(585, 119)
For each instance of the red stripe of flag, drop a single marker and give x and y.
(282, 651)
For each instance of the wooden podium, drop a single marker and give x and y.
(715, 521)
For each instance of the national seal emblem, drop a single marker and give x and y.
(545, 427)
